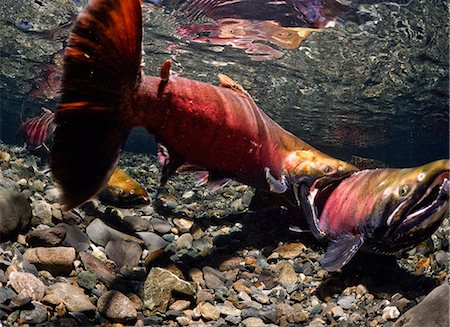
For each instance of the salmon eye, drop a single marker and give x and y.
(131, 192)
(403, 190)
(326, 169)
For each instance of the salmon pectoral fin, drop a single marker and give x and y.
(102, 70)
(341, 250)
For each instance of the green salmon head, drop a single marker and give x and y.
(302, 168)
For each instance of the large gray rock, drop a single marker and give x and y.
(15, 213)
(433, 311)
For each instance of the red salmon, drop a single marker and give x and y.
(219, 129)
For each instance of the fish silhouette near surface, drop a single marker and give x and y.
(121, 190)
(380, 210)
(218, 129)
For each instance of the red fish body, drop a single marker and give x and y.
(204, 127)
(37, 132)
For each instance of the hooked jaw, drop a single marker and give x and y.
(420, 218)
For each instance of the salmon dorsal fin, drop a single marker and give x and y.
(228, 83)
(165, 70)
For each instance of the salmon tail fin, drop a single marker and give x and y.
(102, 70)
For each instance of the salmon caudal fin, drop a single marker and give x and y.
(102, 69)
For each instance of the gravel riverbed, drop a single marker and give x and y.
(193, 257)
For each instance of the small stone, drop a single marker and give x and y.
(75, 237)
(27, 284)
(38, 185)
(153, 242)
(46, 237)
(390, 313)
(337, 311)
(42, 213)
(213, 278)
(183, 320)
(298, 315)
(160, 225)
(286, 273)
(124, 253)
(346, 301)
(180, 305)
(115, 306)
(19, 301)
(159, 287)
(184, 242)
(209, 311)
(101, 234)
(98, 268)
(87, 280)
(205, 296)
(183, 224)
(253, 322)
(441, 257)
(71, 296)
(241, 285)
(229, 310)
(197, 277)
(137, 223)
(261, 298)
(5, 156)
(290, 250)
(6, 294)
(36, 315)
(56, 260)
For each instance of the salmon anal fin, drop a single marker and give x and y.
(228, 83)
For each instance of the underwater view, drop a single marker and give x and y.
(224, 163)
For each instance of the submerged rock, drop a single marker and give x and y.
(72, 297)
(56, 260)
(36, 315)
(124, 253)
(159, 287)
(27, 284)
(431, 312)
(15, 213)
(101, 233)
(115, 306)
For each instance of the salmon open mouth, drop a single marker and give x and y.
(430, 208)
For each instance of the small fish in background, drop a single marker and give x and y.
(37, 134)
(381, 210)
(121, 191)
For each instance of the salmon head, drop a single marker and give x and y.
(301, 168)
(123, 191)
(384, 210)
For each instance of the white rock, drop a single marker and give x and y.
(390, 313)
